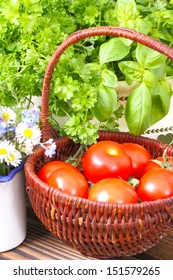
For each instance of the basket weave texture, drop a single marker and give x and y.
(101, 230)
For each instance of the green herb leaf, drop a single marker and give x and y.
(10, 11)
(161, 94)
(65, 90)
(106, 103)
(149, 58)
(149, 78)
(138, 110)
(80, 130)
(84, 99)
(109, 79)
(126, 11)
(132, 70)
(113, 50)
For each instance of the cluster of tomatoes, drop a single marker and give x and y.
(108, 168)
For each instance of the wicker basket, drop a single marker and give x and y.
(100, 230)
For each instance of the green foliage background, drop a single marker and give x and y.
(31, 30)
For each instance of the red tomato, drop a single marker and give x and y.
(51, 166)
(113, 190)
(155, 184)
(140, 157)
(69, 181)
(106, 159)
(153, 165)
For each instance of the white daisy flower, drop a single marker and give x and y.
(29, 135)
(7, 114)
(5, 149)
(27, 148)
(14, 158)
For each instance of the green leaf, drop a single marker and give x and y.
(109, 79)
(106, 103)
(90, 14)
(149, 78)
(65, 90)
(84, 99)
(33, 5)
(132, 70)
(160, 71)
(29, 22)
(126, 42)
(142, 25)
(10, 11)
(113, 50)
(161, 95)
(161, 35)
(80, 130)
(125, 11)
(138, 110)
(149, 58)
(31, 56)
(59, 107)
(95, 73)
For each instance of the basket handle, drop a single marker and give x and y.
(47, 130)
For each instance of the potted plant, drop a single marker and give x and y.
(19, 134)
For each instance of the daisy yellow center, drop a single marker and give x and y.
(11, 157)
(3, 151)
(6, 116)
(28, 132)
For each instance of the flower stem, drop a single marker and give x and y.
(2, 169)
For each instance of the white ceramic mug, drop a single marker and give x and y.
(12, 210)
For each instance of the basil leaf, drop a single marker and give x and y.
(109, 79)
(149, 78)
(161, 95)
(160, 71)
(149, 58)
(142, 25)
(113, 50)
(126, 42)
(106, 103)
(138, 110)
(132, 70)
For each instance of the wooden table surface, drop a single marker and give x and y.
(41, 245)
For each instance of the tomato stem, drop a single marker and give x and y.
(166, 164)
(76, 158)
(133, 182)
